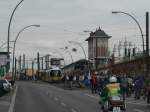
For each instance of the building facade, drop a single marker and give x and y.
(98, 48)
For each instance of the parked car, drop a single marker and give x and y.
(1, 89)
(9, 78)
(6, 85)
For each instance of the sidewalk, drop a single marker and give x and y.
(5, 101)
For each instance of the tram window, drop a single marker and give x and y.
(52, 73)
(59, 73)
(55, 73)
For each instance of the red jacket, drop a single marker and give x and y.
(94, 79)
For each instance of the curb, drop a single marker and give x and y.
(12, 104)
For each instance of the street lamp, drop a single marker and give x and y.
(10, 24)
(66, 49)
(16, 41)
(8, 35)
(87, 31)
(116, 12)
(74, 42)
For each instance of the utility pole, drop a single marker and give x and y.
(46, 62)
(147, 46)
(15, 68)
(19, 66)
(24, 58)
(38, 64)
(32, 68)
(42, 63)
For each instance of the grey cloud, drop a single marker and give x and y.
(55, 16)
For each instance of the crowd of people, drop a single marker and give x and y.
(130, 85)
(74, 78)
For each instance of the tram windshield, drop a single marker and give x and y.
(55, 73)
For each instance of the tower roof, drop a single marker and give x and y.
(98, 34)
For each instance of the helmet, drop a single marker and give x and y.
(113, 79)
(96, 72)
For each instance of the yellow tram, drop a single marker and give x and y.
(52, 75)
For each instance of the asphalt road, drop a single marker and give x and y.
(35, 97)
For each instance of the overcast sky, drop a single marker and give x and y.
(65, 20)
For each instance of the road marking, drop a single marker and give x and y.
(95, 97)
(56, 99)
(138, 110)
(63, 104)
(12, 104)
(72, 110)
(128, 102)
(136, 103)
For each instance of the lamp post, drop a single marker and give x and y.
(10, 24)
(125, 13)
(8, 35)
(74, 42)
(66, 49)
(16, 41)
(144, 54)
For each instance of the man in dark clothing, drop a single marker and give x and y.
(124, 87)
(138, 85)
(71, 80)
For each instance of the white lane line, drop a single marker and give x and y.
(138, 110)
(63, 104)
(12, 104)
(56, 99)
(72, 110)
(95, 97)
(128, 102)
(135, 103)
